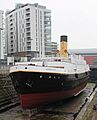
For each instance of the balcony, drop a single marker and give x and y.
(27, 14)
(28, 34)
(28, 29)
(27, 24)
(27, 20)
(28, 9)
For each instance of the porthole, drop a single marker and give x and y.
(40, 76)
(62, 84)
(25, 67)
(49, 76)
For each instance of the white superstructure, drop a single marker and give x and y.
(28, 28)
(71, 65)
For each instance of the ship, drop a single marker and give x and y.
(50, 79)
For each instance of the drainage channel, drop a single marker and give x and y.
(80, 113)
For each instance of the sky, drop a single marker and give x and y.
(75, 18)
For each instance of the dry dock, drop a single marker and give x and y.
(81, 107)
(8, 96)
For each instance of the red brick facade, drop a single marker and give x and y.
(90, 59)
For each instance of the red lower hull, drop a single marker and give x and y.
(37, 99)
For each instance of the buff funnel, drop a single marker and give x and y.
(63, 46)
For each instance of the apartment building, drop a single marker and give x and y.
(1, 35)
(28, 31)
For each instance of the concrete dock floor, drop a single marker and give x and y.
(69, 109)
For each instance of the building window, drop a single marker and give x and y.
(28, 9)
(11, 24)
(11, 28)
(11, 41)
(11, 50)
(28, 29)
(11, 37)
(29, 43)
(28, 15)
(11, 45)
(28, 38)
(28, 33)
(28, 20)
(28, 47)
(10, 20)
(27, 24)
(11, 33)
(10, 15)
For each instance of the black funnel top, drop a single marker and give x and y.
(63, 38)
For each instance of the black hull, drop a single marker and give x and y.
(36, 88)
(37, 99)
(31, 82)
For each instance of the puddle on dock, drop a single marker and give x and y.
(62, 110)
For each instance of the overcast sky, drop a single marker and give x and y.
(75, 18)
